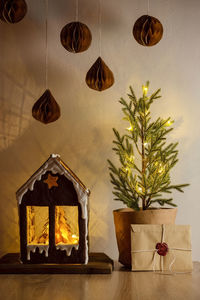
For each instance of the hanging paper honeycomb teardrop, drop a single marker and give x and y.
(147, 30)
(12, 11)
(75, 37)
(46, 109)
(99, 77)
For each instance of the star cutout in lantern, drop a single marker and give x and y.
(51, 181)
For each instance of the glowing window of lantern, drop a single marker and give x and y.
(37, 225)
(66, 225)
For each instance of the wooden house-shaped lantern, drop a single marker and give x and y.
(53, 215)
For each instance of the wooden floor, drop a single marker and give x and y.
(120, 285)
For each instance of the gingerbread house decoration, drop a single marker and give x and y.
(53, 215)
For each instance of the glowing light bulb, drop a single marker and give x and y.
(169, 123)
(145, 89)
(130, 128)
(138, 188)
(161, 169)
(131, 158)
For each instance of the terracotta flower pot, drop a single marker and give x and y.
(123, 218)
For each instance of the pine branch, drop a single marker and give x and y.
(149, 179)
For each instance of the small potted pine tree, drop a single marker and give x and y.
(143, 178)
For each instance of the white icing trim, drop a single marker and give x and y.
(55, 155)
(32, 248)
(88, 192)
(67, 248)
(55, 167)
(86, 243)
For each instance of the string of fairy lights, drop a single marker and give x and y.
(130, 160)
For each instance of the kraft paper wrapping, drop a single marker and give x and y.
(144, 254)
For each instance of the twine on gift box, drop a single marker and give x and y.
(161, 261)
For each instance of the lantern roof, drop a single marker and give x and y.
(56, 166)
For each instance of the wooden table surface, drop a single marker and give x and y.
(120, 285)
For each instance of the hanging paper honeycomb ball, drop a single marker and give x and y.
(99, 77)
(46, 109)
(147, 30)
(75, 37)
(12, 11)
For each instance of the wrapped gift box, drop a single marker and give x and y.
(161, 248)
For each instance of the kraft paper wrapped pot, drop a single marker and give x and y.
(123, 218)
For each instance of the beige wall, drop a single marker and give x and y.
(83, 134)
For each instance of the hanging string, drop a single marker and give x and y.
(46, 43)
(100, 13)
(76, 11)
(148, 7)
